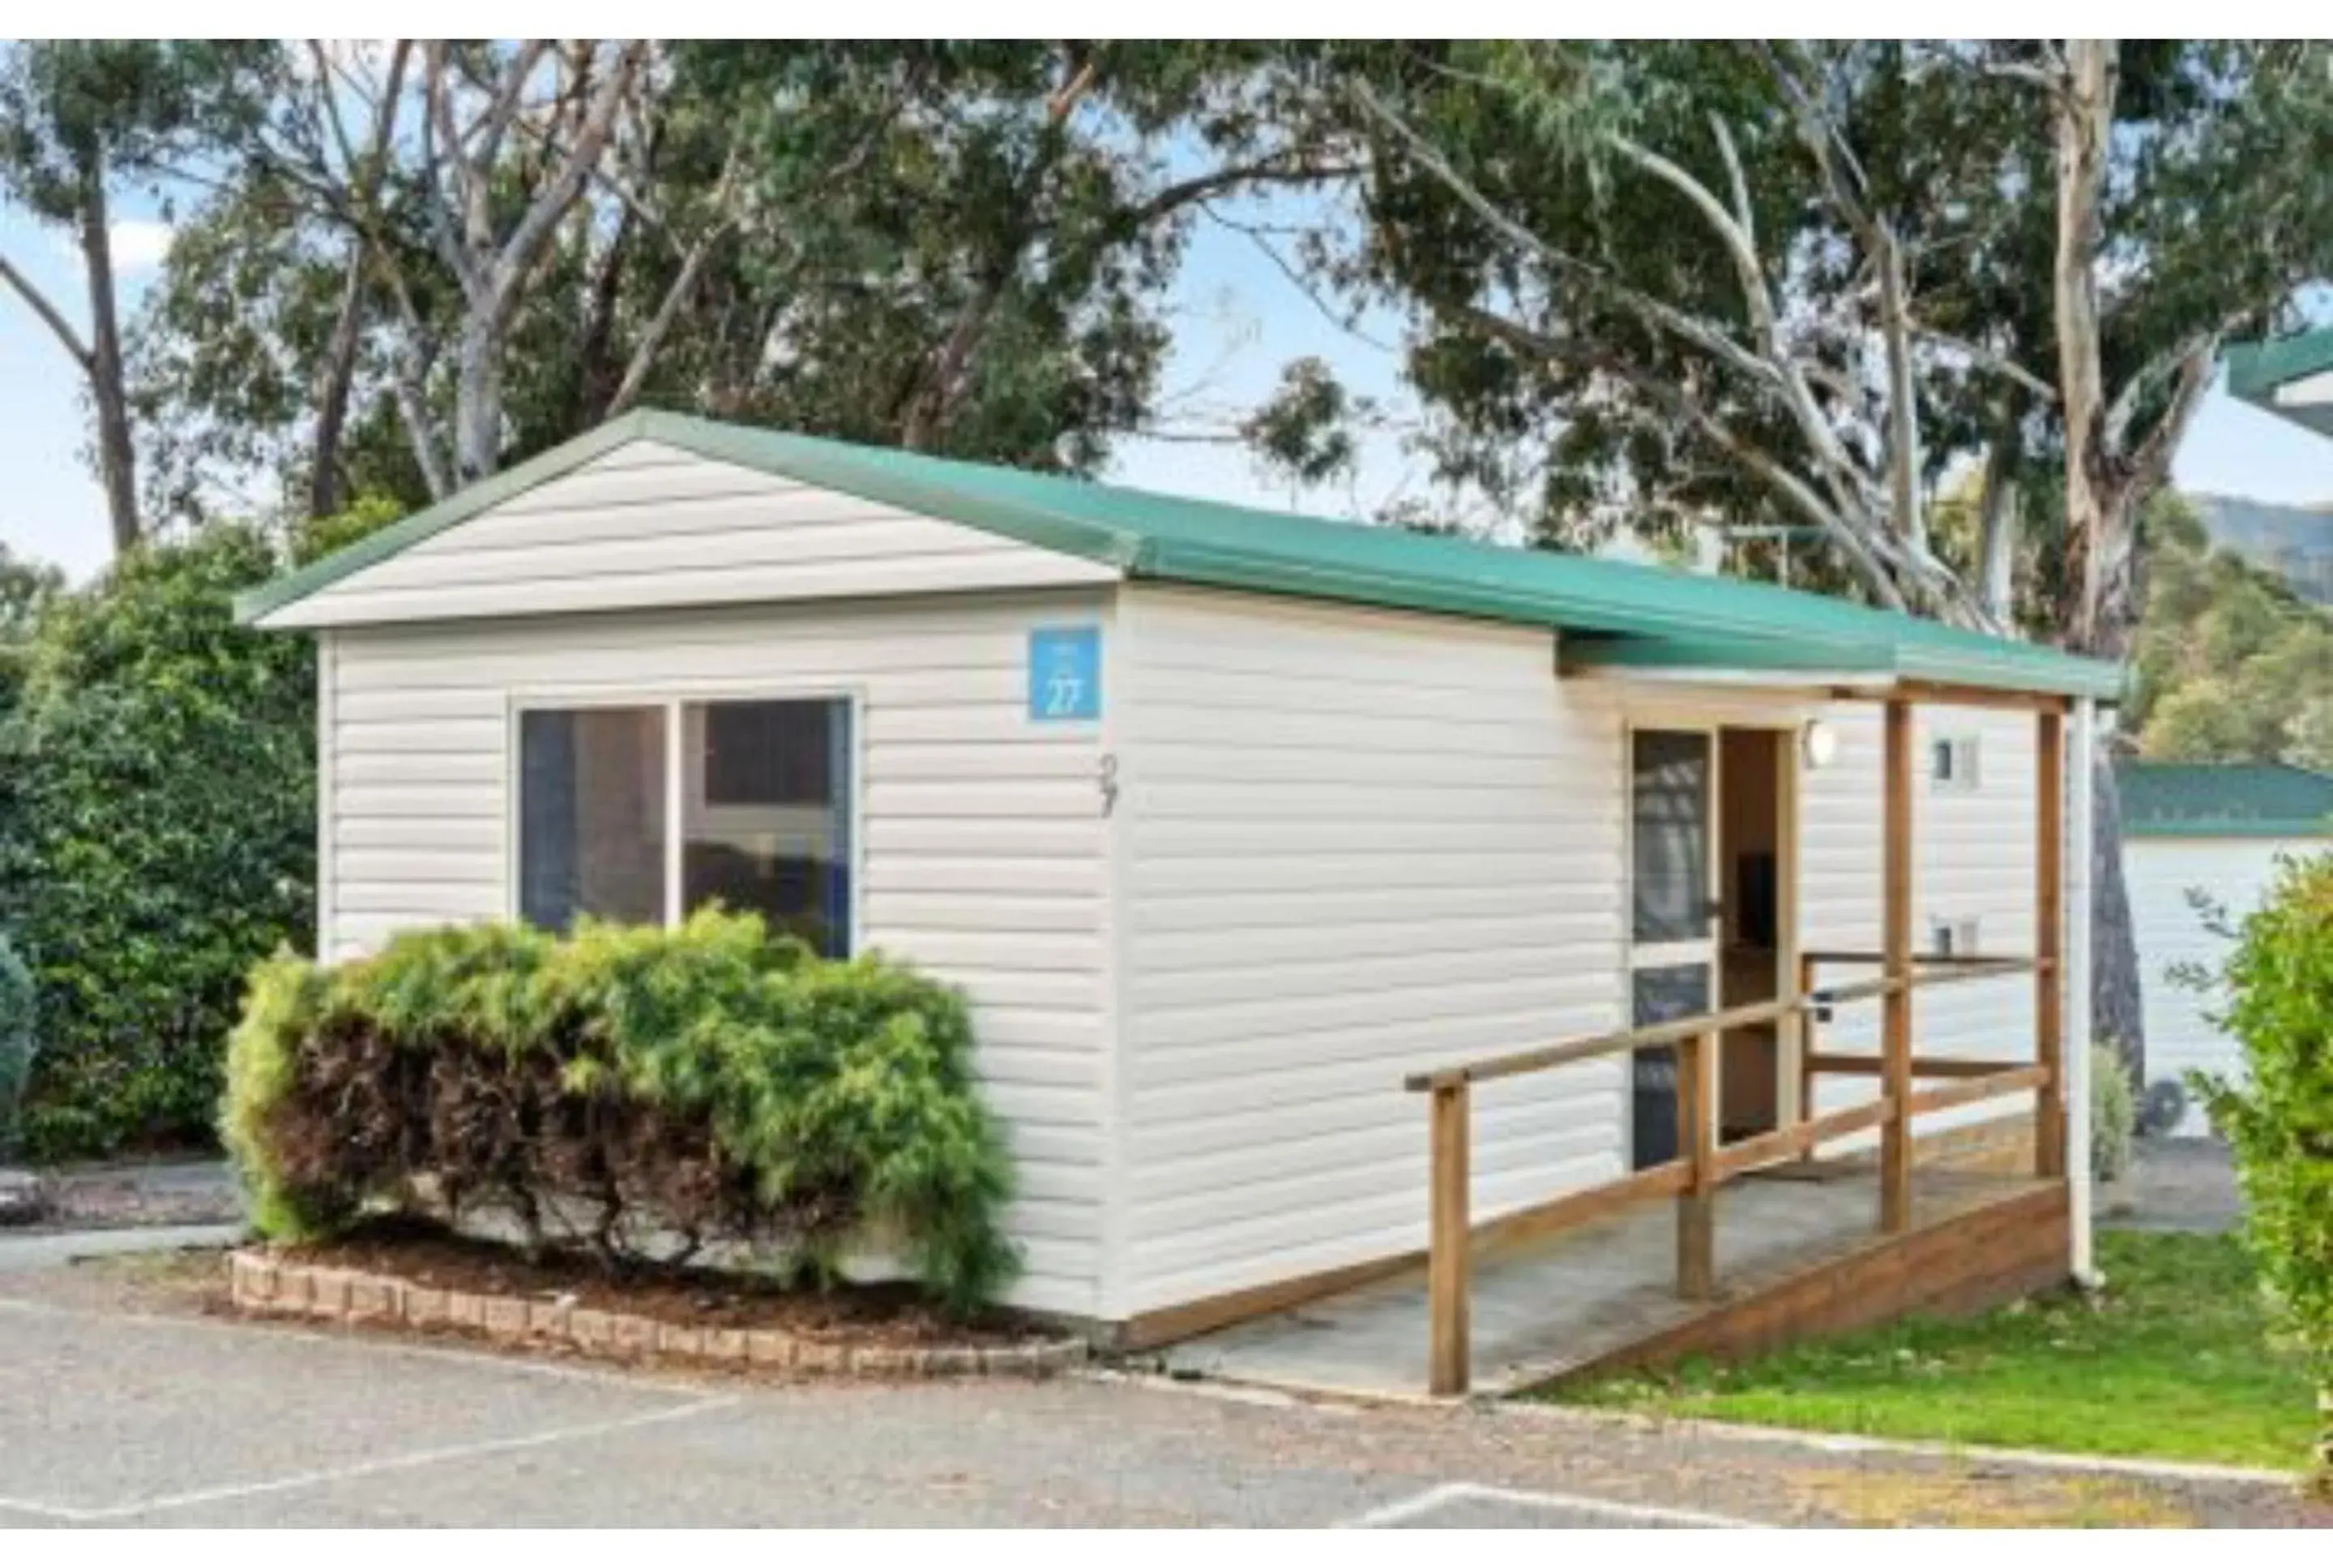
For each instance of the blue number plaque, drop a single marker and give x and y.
(1064, 673)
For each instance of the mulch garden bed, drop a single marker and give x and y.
(422, 1276)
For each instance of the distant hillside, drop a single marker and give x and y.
(2296, 543)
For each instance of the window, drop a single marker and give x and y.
(1954, 763)
(1953, 938)
(591, 815)
(754, 812)
(1669, 835)
(763, 826)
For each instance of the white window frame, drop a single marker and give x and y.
(673, 700)
(1961, 935)
(1963, 753)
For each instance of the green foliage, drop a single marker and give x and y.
(2232, 666)
(2114, 1112)
(318, 537)
(72, 108)
(2278, 1116)
(156, 836)
(707, 1081)
(17, 1041)
(2169, 1362)
(25, 590)
(963, 247)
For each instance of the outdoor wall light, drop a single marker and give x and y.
(1819, 744)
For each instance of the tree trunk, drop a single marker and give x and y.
(478, 401)
(1997, 551)
(333, 379)
(117, 458)
(2118, 1010)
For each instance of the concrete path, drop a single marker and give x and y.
(118, 1405)
(1555, 1304)
(2174, 1184)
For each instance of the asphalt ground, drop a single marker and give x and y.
(125, 1400)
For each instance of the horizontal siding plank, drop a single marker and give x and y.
(350, 603)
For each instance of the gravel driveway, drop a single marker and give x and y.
(121, 1402)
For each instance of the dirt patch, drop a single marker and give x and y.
(1976, 1500)
(426, 1254)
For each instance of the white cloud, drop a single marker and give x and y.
(139, 244)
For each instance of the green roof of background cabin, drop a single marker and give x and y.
(2224, 800)
(2258, 372)
(1615, 612)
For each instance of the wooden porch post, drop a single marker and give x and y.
(1446, 1260)
(1696, 1214)
(2050, 941)
(1896, 932)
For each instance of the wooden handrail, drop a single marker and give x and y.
(1988, 962)
(1594, 1045)
(1849, 1065)
(1799, 1137)
(1969, 1091)
(1703, 1165)
(1651, 1035)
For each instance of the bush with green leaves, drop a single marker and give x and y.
(156, 836)
(2114, 1112)
(2278, 1117)
(632, 1091)
(16, 1039)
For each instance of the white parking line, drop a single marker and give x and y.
(363, 1468)
(1434, 1498)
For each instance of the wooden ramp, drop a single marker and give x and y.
(1797, 1253)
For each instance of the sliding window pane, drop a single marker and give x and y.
(1670, 874)
(765, 823)
(592, 816)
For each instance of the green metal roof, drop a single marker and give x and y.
(2224, 800)
(2258, 372)
(1619, 613)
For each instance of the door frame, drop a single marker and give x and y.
(1713, 720)
(1705, 950)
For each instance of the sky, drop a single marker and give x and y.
(1237, 317)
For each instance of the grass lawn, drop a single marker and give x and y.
(2173, 1363)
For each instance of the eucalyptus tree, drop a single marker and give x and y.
(1694, 285)
(963, 247)
(80, 121)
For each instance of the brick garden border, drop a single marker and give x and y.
(263, 1285)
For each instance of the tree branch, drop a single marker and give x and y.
(1794, 491)
(48, 313)
(1979, 355)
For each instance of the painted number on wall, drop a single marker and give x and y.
(1064, 673)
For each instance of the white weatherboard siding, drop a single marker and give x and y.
(1354, 845)
(1973, 858)
(982, 854)
(2233, 873)
(647, 526)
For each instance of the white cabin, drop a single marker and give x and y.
(1226, 822)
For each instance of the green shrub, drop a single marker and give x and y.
(157, 836)
(15, 1039)
(705, 1082)
(2114, 1112)
(2278, 1118)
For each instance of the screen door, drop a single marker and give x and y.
(1672, 915)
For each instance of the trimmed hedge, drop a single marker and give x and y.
(158, 831)
(2279, 1119)
(624, 1087)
